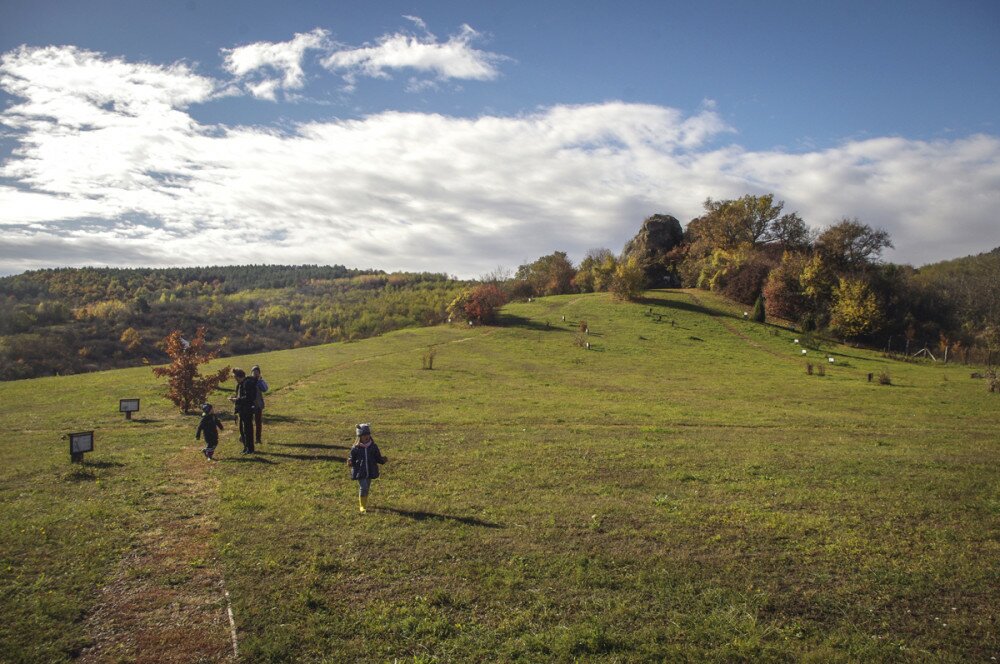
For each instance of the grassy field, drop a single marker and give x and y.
(681, 490)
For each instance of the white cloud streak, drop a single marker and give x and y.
(110, 168)
(452, 59)
(258, 62)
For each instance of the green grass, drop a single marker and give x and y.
(683, 490)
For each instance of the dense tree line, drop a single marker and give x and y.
(72, 320)
(833, 280)
(749, 249)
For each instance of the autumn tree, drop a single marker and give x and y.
(549, 275)
(753, 221)
(855, 311)
(746, 282)
(732, 232)
(596, 271)
(850, 246)
(131, 338)
(817, 282)
(629, 279)
(479, 304)
(186, 386)
(783, 296)
(989, 337)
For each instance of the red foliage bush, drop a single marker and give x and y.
(783, 296)
(747, 281)
(479, 304)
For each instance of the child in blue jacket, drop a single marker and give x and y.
(364, 460)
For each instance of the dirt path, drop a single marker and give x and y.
(166, 602)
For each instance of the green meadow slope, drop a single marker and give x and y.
(680, 490)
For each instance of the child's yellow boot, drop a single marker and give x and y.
(362, 503)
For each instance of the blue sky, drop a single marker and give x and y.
(461, 136)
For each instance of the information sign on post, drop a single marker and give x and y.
(79, 443)
(128, 406)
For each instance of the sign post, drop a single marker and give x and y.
(128, 406)
(79, 443)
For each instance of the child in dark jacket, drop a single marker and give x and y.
(364, 460)
(210, 425)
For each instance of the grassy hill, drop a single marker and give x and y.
(681, 490)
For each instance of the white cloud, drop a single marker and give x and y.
(266, 89)
(452, 59)
(109, 164)
(83, 88)
(261, 60)
(417, 21)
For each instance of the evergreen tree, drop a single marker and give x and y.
(758, 310)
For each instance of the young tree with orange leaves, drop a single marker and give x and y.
(479, 304)
(187, 387)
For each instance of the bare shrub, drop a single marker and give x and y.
(809, 368)
(427, 359)
(821, 369)
(992, 380)
(884, 378)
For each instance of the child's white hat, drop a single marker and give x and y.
(363, 429)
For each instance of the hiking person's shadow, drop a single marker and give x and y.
(425, 516)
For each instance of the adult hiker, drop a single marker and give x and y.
(258, 416)
(245, 403)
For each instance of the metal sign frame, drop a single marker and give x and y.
(80, 443)
(128, 406)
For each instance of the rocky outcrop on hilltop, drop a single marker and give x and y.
(659, 235)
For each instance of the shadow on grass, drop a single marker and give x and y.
(249, 458)
(79, 475)
(102, 464)
(280, 418)
(425, 516)
(677, 305)
(314, 446)
(144, 420)
(304, 457)
(510, 320)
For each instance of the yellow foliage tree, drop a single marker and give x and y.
(629, 280)
(720, 264)
(604, 273)
(131, 338)
(817, 280)
(855, 312)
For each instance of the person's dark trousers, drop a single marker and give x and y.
(246, 430)
(258, 416)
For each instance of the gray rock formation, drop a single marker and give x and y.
(658, 235)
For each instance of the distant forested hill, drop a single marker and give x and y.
(970, 286)
(73, 320)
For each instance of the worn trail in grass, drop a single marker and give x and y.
(682, 490)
